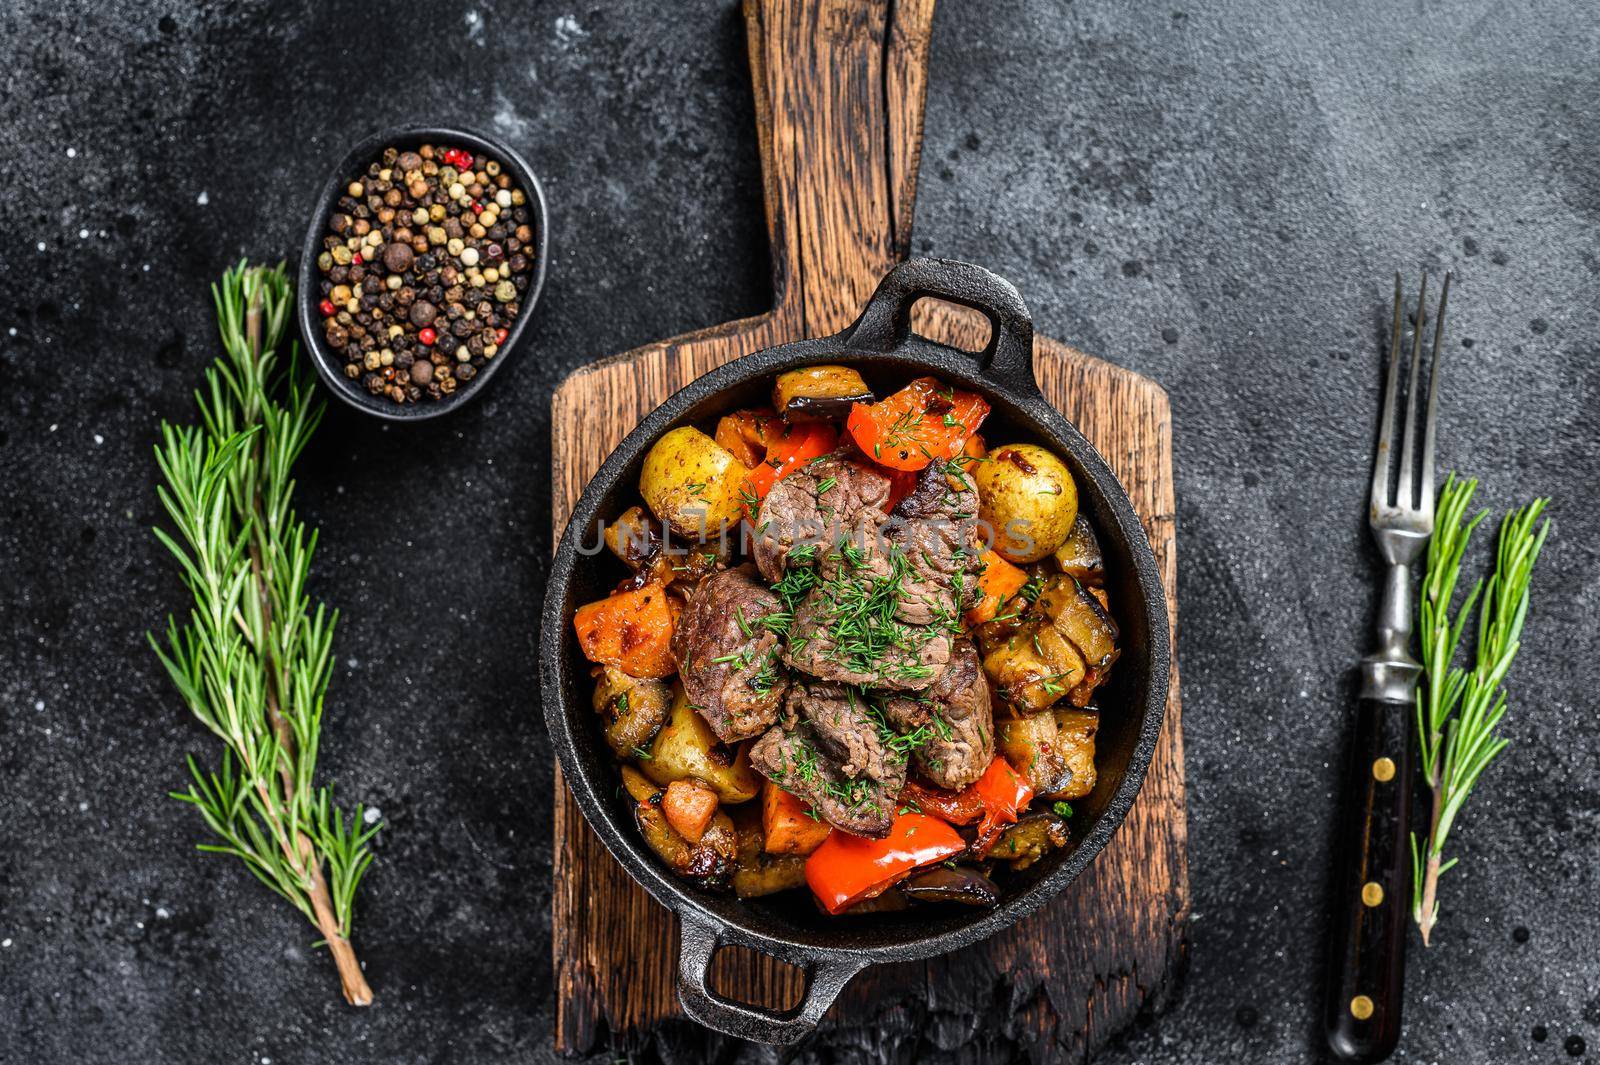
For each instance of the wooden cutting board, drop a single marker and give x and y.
(839, 90)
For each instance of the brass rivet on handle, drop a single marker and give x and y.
(1383, 770)
(1361, 1007)
(1372, 893)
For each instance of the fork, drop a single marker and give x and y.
(1372, 879)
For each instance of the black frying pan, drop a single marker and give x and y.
(881, 345)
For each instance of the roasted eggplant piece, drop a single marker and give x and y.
(1030, 743)
(815, 392)
(943, 883)
(634, 538)
(1075, 733)
(1080, 556)
(1034, 835)
(1064, 643)
(1035, 666)
(890, 901)
(633, 710)
(659, 558)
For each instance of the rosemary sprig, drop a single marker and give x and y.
(1459, 710)
(253, 659)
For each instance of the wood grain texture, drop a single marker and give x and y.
(839, 89)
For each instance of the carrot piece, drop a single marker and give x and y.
(689, 807)
(744, 433)
(630, 630)
(1000, 581)
(788, 825)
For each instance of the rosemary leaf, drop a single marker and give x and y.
(253, 657)
(1459, 710)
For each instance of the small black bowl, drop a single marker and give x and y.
(330, 366)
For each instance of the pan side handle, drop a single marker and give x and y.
(826, 976)
(886, 321)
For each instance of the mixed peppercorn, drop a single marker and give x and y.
(425, 265)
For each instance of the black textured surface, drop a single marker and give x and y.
(1211, 194)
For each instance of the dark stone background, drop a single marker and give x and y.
(1213, 194)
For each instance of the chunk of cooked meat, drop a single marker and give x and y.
(936, 528)
(847, 731)
(728, 660)
(848, 636)
(793, 760)
(953, 719)
(812, 504)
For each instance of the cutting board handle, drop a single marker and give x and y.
(839, 88)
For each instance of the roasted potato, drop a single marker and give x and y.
(1080, 556)
(818, 392)
(1028, 499)
(1075, 732)
(1078, 615)
(686, 748)
(633, 710)
(692, 483)
(757, 872)
(1029, 743)
(640, 787)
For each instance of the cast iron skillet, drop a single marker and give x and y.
(330, 367)
(832, 950)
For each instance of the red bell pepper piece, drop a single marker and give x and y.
(798, 444)
(1004, 792)
(847, 869)
(957, 807)
(924, 422)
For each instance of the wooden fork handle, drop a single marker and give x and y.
(1372, 887)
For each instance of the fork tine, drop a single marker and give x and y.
(1433, 401)
(1408, 450)
(1380, 465)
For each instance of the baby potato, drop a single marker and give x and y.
(1028, 498)
(692, 483)
(686, 748)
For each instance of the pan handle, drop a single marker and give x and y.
(826, 977)
(886, 322)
